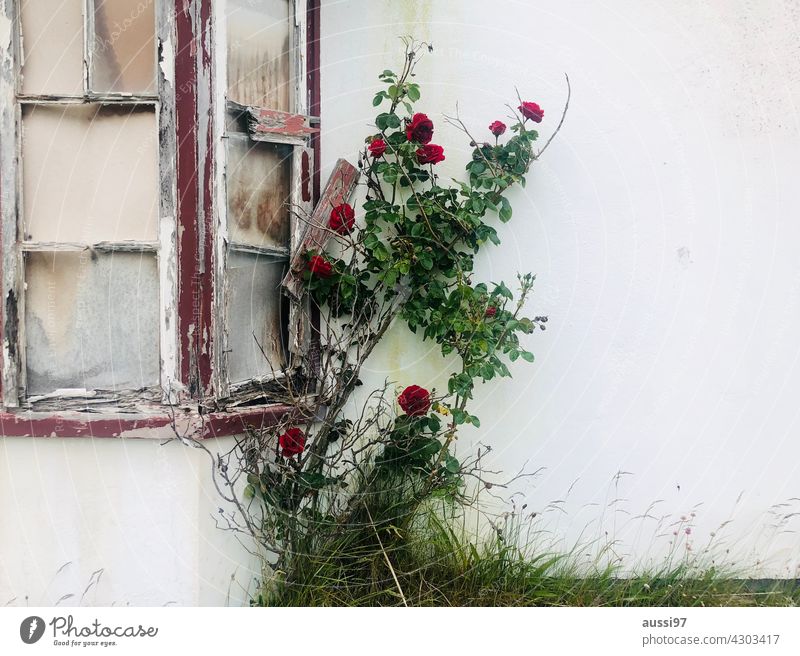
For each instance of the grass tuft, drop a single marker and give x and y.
(434, 562)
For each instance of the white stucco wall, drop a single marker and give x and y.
(141, 511)
(662, 224)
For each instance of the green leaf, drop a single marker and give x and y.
(428, 447)
(413, 92)
(380, 252)
(378, 99)
(525, 355)
(505, 210)
(452, 465)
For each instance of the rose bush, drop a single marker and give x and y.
(407, 254)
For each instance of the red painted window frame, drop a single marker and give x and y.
(195, 248)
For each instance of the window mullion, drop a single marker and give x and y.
(167, 203)
(88, 36)
(9, 155)
(129, 246)
(219, 91)
(302, 192)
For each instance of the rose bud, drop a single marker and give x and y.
(342, 218)
(490, 311)
(377, 148)
(319, 266)
(530, 110)
(497, 128)
(415, 401)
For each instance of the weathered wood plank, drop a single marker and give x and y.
(273, 125)
(338, 190)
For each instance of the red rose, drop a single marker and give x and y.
(420, 129)
(343, 217)
(292, 442)
(377, 148)
(532, 111)
(430, 154)
(490, 311)
(415, 401)
(497, 128)
(319, 266)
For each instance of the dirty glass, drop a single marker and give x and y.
(254, 316)
(258, 179)
(258, 53)
(91, 321)
(52, 46)
(123, 47)
(90, 173)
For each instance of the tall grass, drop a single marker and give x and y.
(426, 556)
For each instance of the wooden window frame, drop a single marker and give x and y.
(14, 394)
(188, 120)
(293, 130)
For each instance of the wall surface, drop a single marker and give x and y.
(114, 522)
(662, 224)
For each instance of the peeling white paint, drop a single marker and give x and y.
(6, 30)
(167, 63)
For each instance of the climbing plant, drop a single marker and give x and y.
(406, 254)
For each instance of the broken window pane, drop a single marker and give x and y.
(258, 53)
(90, 173)
(123, 49)
(52, 46)
(91, 321)
(258, 188)
(254, 316)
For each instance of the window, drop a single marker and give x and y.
(156, 179)
(87, 218)
(265, 184)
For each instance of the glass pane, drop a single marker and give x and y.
(91, 321)
(258, 53)
(258, 187)
(52, 46)
(90, 173)
(123, 50)
(254, 316)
